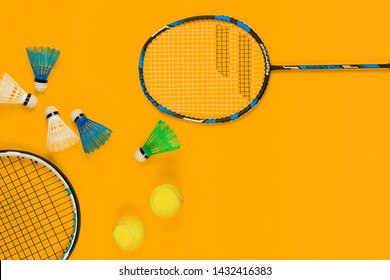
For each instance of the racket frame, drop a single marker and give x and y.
(234, 116)
(65, 181)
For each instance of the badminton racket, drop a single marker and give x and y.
(211, 69)
(39, 213)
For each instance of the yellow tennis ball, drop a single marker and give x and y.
(129, 233)
(166, 200)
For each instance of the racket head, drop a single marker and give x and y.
(40, 213)
(207, 69)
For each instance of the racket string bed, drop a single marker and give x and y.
(37, 213)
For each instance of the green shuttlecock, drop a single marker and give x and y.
(162, 139)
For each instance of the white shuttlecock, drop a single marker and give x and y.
(59, 135)
(11, 92)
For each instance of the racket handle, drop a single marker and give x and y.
(329, 66)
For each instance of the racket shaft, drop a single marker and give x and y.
(329, 66)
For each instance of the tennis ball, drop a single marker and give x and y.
(166, 200)
(129, 233)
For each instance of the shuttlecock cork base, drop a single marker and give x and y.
(51, 111)
(40, 85)
(30, 101)
(140, 155)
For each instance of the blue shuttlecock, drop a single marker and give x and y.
(42, 60)
(92, 134)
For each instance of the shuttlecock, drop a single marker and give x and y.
(42, 60)
(11, 92)
(162, 139)
(59, 135)
(92, 134)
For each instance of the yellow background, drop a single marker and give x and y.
(305, 175)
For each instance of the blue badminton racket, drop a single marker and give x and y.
(211, 69)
